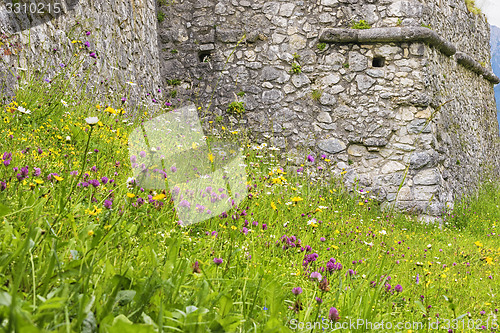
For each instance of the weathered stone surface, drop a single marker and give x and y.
(364, 82)
(324, 117)
(392, 166)
(427, 177)
(332, 145)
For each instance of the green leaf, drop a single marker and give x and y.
(122, 324)
(421, 306)
(4, 210)
(225, 303)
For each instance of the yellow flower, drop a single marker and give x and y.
(93, 212)
(233, 227)
(159, 196)
(297, 199)
(58, 178)
(335, 247)
(90, 233)
(273, 206)
(489, 260)
(38, 181)
(110, 110)
(211, 157)
(194, 145)
(478, 244)
(130, 195)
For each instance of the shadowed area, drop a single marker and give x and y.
(19, 15)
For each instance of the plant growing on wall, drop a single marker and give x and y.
(361, 24)
(236, 108)
(296, 68)
(471, 7)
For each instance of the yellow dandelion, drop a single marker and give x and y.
(211, 157)
(273, 206)
(159, 196)
(130, 195)
(91, 233)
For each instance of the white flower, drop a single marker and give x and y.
(449, 244)
(23, 110)
(130, 182)
(64, 103)
(22, 69)
(92, 120)
(68, 138)
(369, 244)
(382, 232)
(429, 246)
(131, 83)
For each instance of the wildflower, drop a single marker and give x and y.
(264, 226)
(185, 204)
(93, 55)
(92, 120)
(310, 158)
(319, 300)
(23, 110)
(316, 275)
(382, 232)
(130, 195)
(108, 203)
(297, 291)
(196, 267)
(322, 239)
(87, 33)
(218, 261)
(333, 314)
(90, 233)
(173, 169)
(104, 180)
(398, 288)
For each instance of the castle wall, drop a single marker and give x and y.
(370, 121)
(123, 35)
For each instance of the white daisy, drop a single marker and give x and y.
(92, 120)
(23, 110)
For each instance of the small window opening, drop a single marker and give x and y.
(378, 62)
(204, 56)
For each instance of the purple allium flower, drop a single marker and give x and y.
(322, 239)
(333, 314)
(133, 158)
(108, 203)
(297, 291)
(218, 261)
(94, 182)
(398, 288)
(104, 180)
(316, 275)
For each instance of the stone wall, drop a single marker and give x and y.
(123, 36)
(371, 105)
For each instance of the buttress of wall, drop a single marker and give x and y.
(467, 134)
(123, 35)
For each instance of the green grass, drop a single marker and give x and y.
(69, 260)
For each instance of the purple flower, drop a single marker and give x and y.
(3, 186)
(264, 226)
(104, 180)
(316, 275)
(37, 172)
(173, 169)
(94, 182)
(218, 261)
(322, 239)
(185, 204)
(142, 154)
(124, 99)
(244, 230)
(87, 33)
(297, 291)
(94, 168)
(333, 314)
(74, 173)
(40, 151)
(417, 280)
(482, 313)
(319, 300)
(87, 44)
(310, 158)
(108, 203)
(299, 170)
(398, 288)
(93, 55)
(6, 162)
(6, 156)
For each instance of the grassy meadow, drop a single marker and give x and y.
(83, 248)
